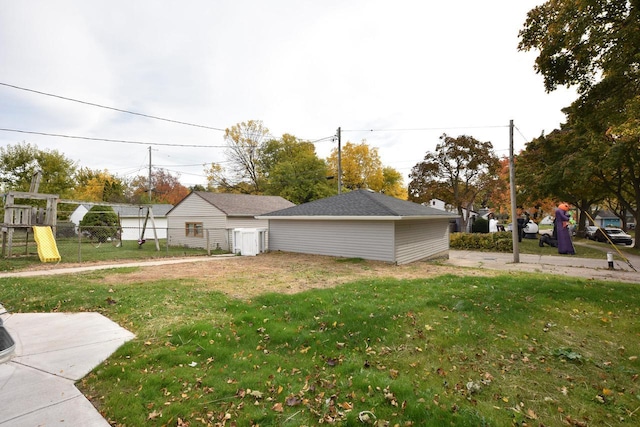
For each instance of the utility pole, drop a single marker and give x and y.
(515, 232)
(150, 189)
(339, 162)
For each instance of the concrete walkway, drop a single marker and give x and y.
(565, 265)
(52, 352)
(55, 350)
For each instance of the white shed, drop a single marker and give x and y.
(249, 241)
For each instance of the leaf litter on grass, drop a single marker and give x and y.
(450, 350)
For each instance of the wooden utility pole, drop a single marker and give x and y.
(339, 162)
(515, 232)
(150, 190)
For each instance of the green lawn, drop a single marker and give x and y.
(71, 251)
(466, 351)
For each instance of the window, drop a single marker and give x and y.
(193, 229)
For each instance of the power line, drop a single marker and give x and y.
(423, 129)
(121, 141)
(111, 108)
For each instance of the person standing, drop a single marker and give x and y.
(493, 223)
(561, 224)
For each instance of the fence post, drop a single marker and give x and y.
(208, 244)
(79, 244)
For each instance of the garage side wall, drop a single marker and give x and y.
(421, 239)
(352, 239)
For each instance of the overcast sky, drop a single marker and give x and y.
(396, 73)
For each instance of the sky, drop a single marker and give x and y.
(394, 73)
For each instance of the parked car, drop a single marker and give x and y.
(616, 235)
(590, 232)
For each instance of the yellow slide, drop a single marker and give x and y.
(47, 248)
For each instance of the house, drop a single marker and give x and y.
(606, 218)
(207, 220)
(132, 218)
(456, 222)
(362, 224)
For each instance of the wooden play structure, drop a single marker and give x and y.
(25, 216)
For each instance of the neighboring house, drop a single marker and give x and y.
(456, 222)
(132, 219)
(203, 218)
(362, 224)
(605, 218)
(79, 213)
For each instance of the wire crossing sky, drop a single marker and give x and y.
(100, 80)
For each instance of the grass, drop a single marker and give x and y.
(467, 351)
(73, 252)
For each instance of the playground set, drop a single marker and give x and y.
(41, 221)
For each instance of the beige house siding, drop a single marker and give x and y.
(219, 214)
(421, 239)
(195, 209)
(352, 239)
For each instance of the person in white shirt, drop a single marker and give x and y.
(493, 224)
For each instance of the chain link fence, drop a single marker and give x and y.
(103, 243)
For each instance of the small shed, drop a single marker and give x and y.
(203, 218)
(362, 224)
(249, 241)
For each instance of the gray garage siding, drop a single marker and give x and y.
(351, 239)
(421, 239)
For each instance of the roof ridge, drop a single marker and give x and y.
(380, 202)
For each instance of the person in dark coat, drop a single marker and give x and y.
(551, 240)
(561, 224)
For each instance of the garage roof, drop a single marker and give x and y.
(359, 204)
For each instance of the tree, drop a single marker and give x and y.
(218, 181)
(458, 172)
(98, 186)
(556, 166)
(583, 41)
(291, 169)
(594, 44)
(245, 140)
(165, 188)
(393, 183)
(101, 223)
(361, 166)
(18, 164)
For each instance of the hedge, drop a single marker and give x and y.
(498, 242)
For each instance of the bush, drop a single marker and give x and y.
(101, 223)
(498, 242)
(65, 229)
(480, 225)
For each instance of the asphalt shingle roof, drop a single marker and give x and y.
(360, 203)
(244, 204)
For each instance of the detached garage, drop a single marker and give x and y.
(361, 224)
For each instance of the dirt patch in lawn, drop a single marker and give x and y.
(245, 277)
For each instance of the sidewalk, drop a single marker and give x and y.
(565, 265)
(53, 351)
